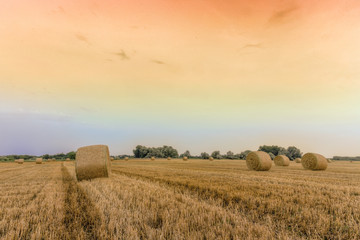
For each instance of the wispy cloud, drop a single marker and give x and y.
(281, 15)
(157, 61)
(122, 54)
(251, 45)
(81, 37)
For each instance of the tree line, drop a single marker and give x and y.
(168, 151)
(59, 156)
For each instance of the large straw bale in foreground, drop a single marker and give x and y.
(281, 160)
(258, 161)
(39, 161)
(297, 160)
(92, 162)
(314, 161)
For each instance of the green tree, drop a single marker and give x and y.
(293, 153)
(71, 155)
(276, 150)
(186, 154)
(244, 154)
(229, 155)
(204, 155)
(216, 154)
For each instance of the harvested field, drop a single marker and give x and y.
(164, 199)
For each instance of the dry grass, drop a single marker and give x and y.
(180, 200)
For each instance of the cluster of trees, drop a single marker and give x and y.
(346, 158)
(59, 156)
(168, 151)
(291, 152)
(70, 155)
(160, 152)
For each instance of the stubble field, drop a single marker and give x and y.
(195, 199)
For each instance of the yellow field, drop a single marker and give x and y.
(195, 199)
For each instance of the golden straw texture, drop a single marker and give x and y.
(211, 158)
(298, 160)
(92, 162)
(281, 160)
(185, 158)
(258, 161)
(314, 161)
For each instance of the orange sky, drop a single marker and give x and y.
(181, 69)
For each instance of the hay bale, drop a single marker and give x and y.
(126, 158)
(39, 161)
(169, 158)
(68, 159)
(211, 158)
(152, 158)
(297, 160)
(258, 161)
(329, 161)
(111, 159)
(92, 162)
(16, 160)
(20, 161)
(314, 161)
(282, 160)
(185, 158)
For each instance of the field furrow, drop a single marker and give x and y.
(81, 218)
(136, 209)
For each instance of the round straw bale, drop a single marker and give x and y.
(185, 158)
(92, 162)
(126, 158)
(20, 161)
(329, 161)
(258, 161)
(111, 159)
(68, 159)
(169, 158)
(38, 161)
(281, 160)
(211, 158)
(314, 161)
(152, 158)
(298, 160)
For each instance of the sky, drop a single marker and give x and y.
(199, 75)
